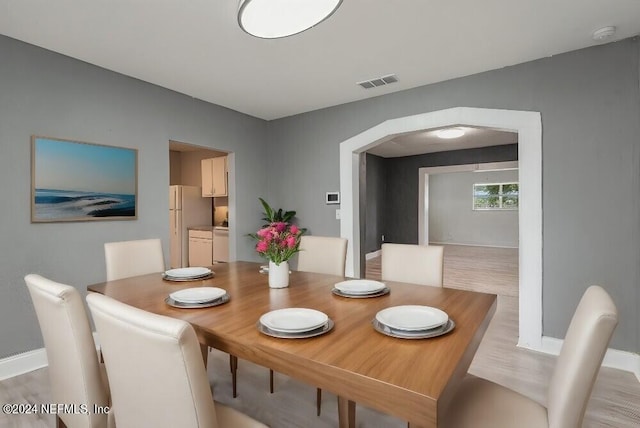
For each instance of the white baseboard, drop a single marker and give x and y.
(22, 363)
(614, 358)
(29, 361)
(373, 255)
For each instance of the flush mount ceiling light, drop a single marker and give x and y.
(604, 33)
(450, 133)
(272, 19)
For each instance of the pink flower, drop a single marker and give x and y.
(262, 246)
(280, 226)
(263, 232)
(291, 241)
(294, 229)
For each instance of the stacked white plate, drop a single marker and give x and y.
(413, 322)
(360, 288)
(294, 323)
(187, 274)
(198, 297)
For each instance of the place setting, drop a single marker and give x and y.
(360, 289)
(413, 322)
(188, 274)
(197, 297)
(294, 323)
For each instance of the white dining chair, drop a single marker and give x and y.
(125, 259)
(319, 254)
(75, 373)
(415, 264)
(156, 372)
(322, 254)
(480, 403)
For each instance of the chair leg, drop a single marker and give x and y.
(271, 381)
(233, 363)
(318, 400)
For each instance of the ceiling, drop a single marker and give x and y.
(419, 142)
(196, 48)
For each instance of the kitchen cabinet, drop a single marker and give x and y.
(214, 177)
(200, 247)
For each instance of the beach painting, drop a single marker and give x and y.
(76, 181)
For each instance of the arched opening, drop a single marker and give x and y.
(528, 125)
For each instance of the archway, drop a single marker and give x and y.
(528, 125)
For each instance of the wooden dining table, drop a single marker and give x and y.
(414, 380)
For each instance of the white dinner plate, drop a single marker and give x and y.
(197, 294)
(360, 286)
(293, 320)
(190, 272)
(412, 317)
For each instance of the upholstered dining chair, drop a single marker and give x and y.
(132, 258)
(322, 254)
(160, 355)
(416, 264)
(319, 254)
(76, 375)
(480, 403)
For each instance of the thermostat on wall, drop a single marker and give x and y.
(333, 198)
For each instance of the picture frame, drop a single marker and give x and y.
(80, 181)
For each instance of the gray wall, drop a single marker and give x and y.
(403, 185)
(452, 219)
(590, 106)
(376, 188)
(44, 93)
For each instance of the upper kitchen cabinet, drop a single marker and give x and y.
(214, 177)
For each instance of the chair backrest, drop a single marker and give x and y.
(582, 352)
(132, 258)
(155, 367)
(74, 369)
(322, 254)
(416, 264)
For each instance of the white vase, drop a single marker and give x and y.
(278, 275)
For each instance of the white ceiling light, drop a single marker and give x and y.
(450, 133)
(271, 19)
(604, 33)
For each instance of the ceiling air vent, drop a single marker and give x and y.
(378, 81)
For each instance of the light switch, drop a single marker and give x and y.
(338, 214)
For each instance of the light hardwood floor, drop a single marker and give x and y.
(615, 401)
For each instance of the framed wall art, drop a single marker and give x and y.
(77, 181)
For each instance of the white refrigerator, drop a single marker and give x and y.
(187, 208)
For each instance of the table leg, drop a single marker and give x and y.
(205, 354)
(346, 413)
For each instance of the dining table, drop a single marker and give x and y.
(412, 379)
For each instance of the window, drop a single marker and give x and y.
(495, 196)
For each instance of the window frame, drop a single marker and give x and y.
(500, 196)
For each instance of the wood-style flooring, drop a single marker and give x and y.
(615, 401)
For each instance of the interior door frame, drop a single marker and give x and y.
(528, 125)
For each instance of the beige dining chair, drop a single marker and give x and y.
(125, 259)
(156, 372)
(416, 264)
(480, 403)
(322, 254)
(319, 254)
(75, 373)
(132, 258)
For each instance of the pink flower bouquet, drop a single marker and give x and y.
(278, 242)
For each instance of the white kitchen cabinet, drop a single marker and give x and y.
(200, 247)
(214, 177)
